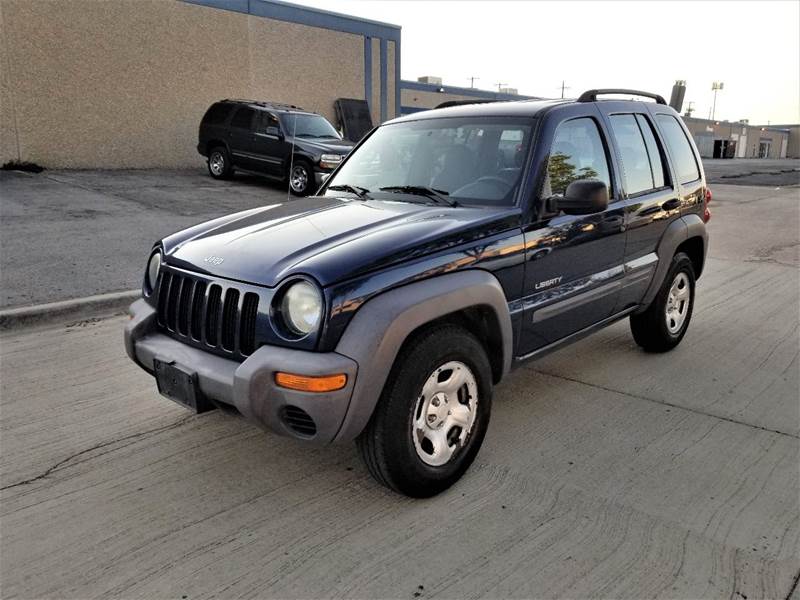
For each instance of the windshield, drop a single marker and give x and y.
(311, 126)
(477, 160)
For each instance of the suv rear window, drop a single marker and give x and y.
(243, 118)
(217, 114)
(679, 148)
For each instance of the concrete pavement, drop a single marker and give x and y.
(606, 472)
(753, 171)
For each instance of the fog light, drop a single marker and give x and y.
(307, 383)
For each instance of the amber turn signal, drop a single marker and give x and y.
(306, 383)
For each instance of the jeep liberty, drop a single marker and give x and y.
(448, 247)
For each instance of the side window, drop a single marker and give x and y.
(633, 153)
(679, 148)
(269, 120)
(243, 118)
(653, 151)
(216, 114)
(577, 153)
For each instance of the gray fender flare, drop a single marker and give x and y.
(377, 331)
(677, 232)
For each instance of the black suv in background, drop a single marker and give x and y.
(281, 141)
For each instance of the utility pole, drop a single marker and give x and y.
(499, 86)
(564, 87)
(472, 81)
(689, 108)
(715, 87)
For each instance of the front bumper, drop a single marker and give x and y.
(321, 176)
(249, 386)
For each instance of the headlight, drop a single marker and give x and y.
(330, 161)
(153, 267)
(301, 307)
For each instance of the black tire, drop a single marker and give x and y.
(653, 329)
(387, 445)
(219, 163)
(297, 167)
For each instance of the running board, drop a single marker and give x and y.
(573, 337)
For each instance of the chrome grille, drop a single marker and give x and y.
(209, 314)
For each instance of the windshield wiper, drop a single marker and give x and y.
(359, 191)
(421, 190)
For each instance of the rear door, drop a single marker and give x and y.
(651, 199)
(573, 265)
(683, 158)
(240, 138)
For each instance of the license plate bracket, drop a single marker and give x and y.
(179, 384)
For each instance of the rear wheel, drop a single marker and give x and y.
(432, 416)
(219, 163)
(662, 326)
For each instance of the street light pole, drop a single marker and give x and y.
(715, 87)
(472, 81)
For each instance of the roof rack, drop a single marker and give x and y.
(591, 95)
(450, 103)
(265, 104)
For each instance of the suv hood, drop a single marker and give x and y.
(330, 239)
(320, 145)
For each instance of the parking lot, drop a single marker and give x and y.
(606, 472)
(100, 225)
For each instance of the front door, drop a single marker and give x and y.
(269, 145)
(573, 263)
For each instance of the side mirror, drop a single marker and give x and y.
(273, 131)
(584, 197)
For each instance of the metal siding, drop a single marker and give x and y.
(368, 71)
(292, 13)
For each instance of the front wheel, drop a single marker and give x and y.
(433, 414)
(662, 326)
(301, 178)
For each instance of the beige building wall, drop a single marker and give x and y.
(125, 83)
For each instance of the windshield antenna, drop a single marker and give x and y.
(291, 160)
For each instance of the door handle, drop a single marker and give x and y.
(671, 204)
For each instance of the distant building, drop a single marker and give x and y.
(428, 92)
(740, 139)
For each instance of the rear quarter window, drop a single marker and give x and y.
(216, 114)
(679, 149)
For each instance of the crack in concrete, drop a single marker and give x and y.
(72, 457)
(794, 586)
(663, 402)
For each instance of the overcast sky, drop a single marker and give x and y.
(753, 47)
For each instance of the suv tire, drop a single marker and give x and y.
(662, 326)
(301, 177)
(219, 163)
(398, 443)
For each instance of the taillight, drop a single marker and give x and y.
(706, 212)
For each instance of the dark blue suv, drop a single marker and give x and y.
(447, 248)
